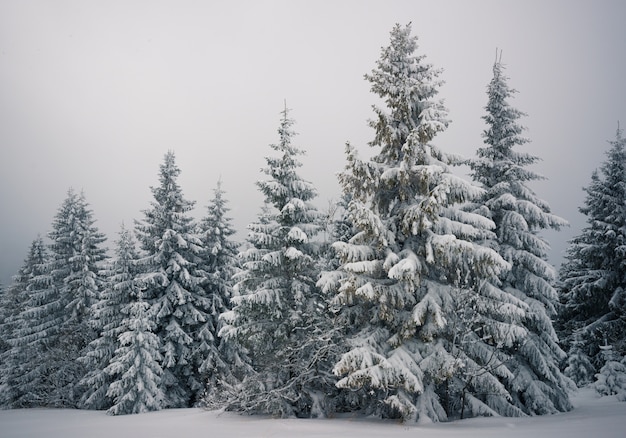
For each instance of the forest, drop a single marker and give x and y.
(421, 295)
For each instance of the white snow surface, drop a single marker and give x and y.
(592, 417)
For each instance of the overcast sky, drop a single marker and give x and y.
(94, 93)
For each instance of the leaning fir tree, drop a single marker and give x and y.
(410, 282)
(536, 385)
(593, 276)
(172, 281)
(279, 314)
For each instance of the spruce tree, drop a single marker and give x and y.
(611, 380)
(221, 364)
(135, 368)
(519, 215)
(17, 357)
(77, 254)
(279, 314)
(56, 318)
(37, 334)
(108, 320)
(173, 281)
(411, 276)
(593, 276)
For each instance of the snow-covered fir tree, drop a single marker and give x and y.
(135, 368)
(37, 331)
(171, 274)
(578, 366)
(17, 356)
(77, 253)
(222, 365)
(534, 382)
(57, 315)
(343, 228)
(410, 282)
(279, 315)
(338, 228)
(611, 380)
(108, 316)
(593, 276)
(4, 313)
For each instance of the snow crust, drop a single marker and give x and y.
(592, 416)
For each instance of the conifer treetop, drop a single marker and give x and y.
(408, 86)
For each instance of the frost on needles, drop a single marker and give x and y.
(279, 315)
(430, 330)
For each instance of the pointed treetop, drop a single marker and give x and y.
(409, 86)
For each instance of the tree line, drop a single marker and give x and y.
(428, 297)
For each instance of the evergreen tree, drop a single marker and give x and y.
(611, 380)
(343, 228)
(37, 333)
(55, 321)
(135, 368)
(108, 320)
(17, 358)
(279, 314)
(4, 314)
(578, 366)
(221, 364)
(75, 265)
(411, 276)
(519, 215)
(173, 281)
(593, 276)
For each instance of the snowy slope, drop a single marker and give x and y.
(592, 417)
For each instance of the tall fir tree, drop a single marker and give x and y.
(593, 276)
(173, 281)
(16, 359)
(279, 314)
(56, 319)
(538, 386)
(221, 364)
(77, 253)
(120, 289)
(411, 275)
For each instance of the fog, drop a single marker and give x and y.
(93, 94)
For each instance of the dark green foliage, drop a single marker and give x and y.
(593, 277)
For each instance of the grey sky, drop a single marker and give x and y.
(93, 93)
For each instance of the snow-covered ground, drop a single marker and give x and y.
(593, 417)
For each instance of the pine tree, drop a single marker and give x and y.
(220, 363)
(534, 357)
(108, 320)
(173, 281)
(593, 275)
(278, 315)
(412, 274)
(135, 367)
(17, 357)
